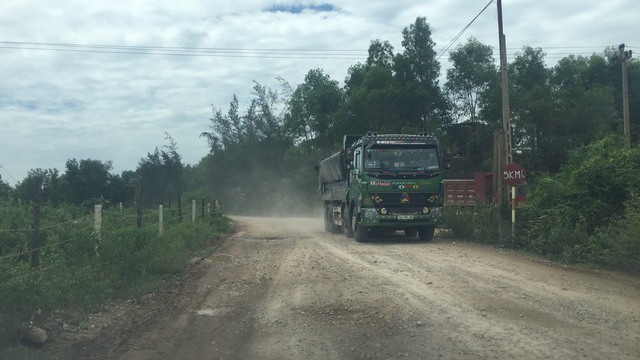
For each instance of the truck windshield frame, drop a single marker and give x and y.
(401, 158)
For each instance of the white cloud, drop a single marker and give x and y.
(56, 105)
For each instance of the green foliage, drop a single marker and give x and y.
(80, 269)
(615, 246)
(589, 211)
(5, 190)
(475, 223)
(159, 175)
(468, 80)
(311, 110)
(460, 222)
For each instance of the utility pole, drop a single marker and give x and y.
(624, 56)
(505, 156)
(506, 119)
(504, 70)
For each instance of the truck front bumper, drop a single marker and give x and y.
(370, 217)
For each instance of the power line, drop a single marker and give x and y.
(275, 53)
(337, 54)
(173, 47)
(8, 173)
(455, 38)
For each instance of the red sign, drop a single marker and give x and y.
(514, 174)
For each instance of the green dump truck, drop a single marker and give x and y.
(383, 182)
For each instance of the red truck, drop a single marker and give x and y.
(462, 192)
(469, 192)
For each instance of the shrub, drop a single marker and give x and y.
(475, 223)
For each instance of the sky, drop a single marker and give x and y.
(107, 80)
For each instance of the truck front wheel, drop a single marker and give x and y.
(359, 231)
(346, 223)
(425, 233)
(410, 232)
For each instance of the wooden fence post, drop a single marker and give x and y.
(139, 203)
(193, 211)
(160, 212)
(35, 228)
(97, 221)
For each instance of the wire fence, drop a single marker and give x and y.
(63, 257)
(21, 238)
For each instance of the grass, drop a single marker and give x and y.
(82, 270)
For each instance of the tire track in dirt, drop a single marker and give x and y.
(520, 313)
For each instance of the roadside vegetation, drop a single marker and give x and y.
(80, 270)
(587, 213)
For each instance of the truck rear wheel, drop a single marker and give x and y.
(327, 220)
(359, 232)
(425, 233)
(330, 225)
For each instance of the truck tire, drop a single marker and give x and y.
(346, 224)
(333, 227)
(425, 233)
(410, 232)
(327, 219)
(359, 232)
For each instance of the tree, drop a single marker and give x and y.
(86, 181)
(160, 174)
(532, 109)
(312, 108)
(372, 102)
(5, 189)
(580, 104)
(251, 158)
(417, 71)
(469, 78)
(173, 169)
(380, 54)
(46, 180)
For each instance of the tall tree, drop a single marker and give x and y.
(311, 109)
(160, 174)
(380, 54)
(532, 108)
(246, 169)
(371, 101)
(417, 70)
(469, 78)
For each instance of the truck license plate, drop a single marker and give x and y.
(405, 217)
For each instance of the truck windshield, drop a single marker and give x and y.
(401, 159)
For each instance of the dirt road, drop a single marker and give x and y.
(285, 289)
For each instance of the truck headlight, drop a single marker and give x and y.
(370, 213)
(383, 211)
(425, 210)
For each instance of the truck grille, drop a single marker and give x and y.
(408, 200)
